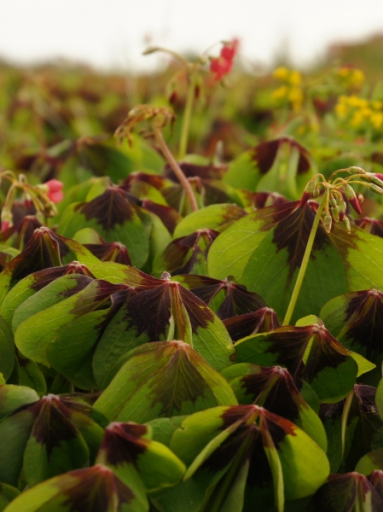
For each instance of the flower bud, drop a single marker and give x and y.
(347, 224)
(6, 218)
(335, 213)
(327, 223)
(376, 189)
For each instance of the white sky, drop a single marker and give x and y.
(111, 33)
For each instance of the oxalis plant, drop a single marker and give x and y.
(332, 208)
(182, 335)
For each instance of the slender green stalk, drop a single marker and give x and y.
(176, 168)
(305, 261)
(187, 117)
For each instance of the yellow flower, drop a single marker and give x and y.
(296, 98)
(377, 119)
(357, 77)
(341, 109)
(281, 92)
(281, 73)
(357, 119)
(295, 77)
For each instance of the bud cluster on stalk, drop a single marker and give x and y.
(340, 191)
(42, 198)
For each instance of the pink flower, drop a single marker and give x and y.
(54, 190)
(5, 224)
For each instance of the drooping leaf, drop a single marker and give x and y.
(281, 456)
(217, 217)
(175, 313)
(45, 249)
(163, 380)
(34, 282)
(46, 438)
(114, 217)
(281, 165)
(263, 320)
(186, 255)
(94, 489)
(226, 297)
(356, 318)
(350, 492)
(264, 251)
(130, 445)
(36, 322)
(308, 352)
(277, 391)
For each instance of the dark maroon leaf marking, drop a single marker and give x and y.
(109, 209)
(181, 254)
(263, 320)
(97, 490)
(205, 172)
(36, 255)
(364, 315)
(169, 216)
(52, 425)
(373, 226)
(290, 344)
(225, 454)
(283, 396)
(155, 181)
(123, 443)
(199, 314)
(341, 492)
(376, 480)
(113, 251)
(238, 412)
(277, 426)
(265, 153)
(178, 382)
(366, 397)
(292, 233)
(149, 311)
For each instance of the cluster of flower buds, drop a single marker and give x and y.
(340, 189)
(222, 65)
(43, 197)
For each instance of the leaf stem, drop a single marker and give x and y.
(176, 168)
(187, 117)
(305, 260)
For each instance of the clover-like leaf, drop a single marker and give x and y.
(130, 445)
(46, 438)
(94, 489)
(309, 352)
(163, 380)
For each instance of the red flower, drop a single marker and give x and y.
(221, 66)
(229, 50)
(54, 190)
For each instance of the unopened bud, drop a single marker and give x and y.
(375, 178)
(347, 224)
(356, 170)
(327, 221)
(316, 192)
(376, 189)
(335, 213)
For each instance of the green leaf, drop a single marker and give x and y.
(94, 489)
(217, 216)
(114, 218)
(163, 380)
(129, 444)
